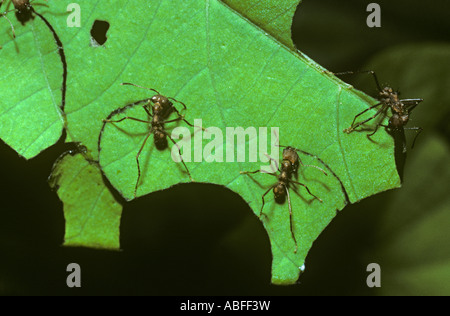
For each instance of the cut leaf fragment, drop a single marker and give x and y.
(92, 213)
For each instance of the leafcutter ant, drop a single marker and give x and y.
(288, 167)
(24, 10)
(388, 99)
(158, 108)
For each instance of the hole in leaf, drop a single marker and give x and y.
(98, 33)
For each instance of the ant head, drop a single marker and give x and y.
(290, 155)
(24, 10)
(21, 5)
(386, 92)
(398, 121)
(162, 100)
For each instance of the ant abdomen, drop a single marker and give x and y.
(279, 192)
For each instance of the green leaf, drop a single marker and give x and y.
(233, 75)
(31, 81)
(92, 214)
(229, 73)
(275, 17)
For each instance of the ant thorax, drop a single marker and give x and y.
(285, 173)
(399, 109)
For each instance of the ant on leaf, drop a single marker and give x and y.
(288, 167)
(158, 109)
(388, 99)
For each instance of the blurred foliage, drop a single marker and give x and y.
(403, 230)
(410, 52)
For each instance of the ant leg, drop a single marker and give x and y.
(248, 172)
(182, 103)
(352, 128)
(411, 103)
(181, 116)
(331, 170)
(376, 129)
(256, 171)
(148, 112)
(418, 129)
(307, 189)
(138, 165)
(369, 108)
(179, 152)
(291, 219)
(146, 101)
(170, 121)
(263, 202)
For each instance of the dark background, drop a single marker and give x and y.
(199, 239)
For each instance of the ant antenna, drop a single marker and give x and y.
(303, 152)
(135, 85)
(361, 71)
(323, 171)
